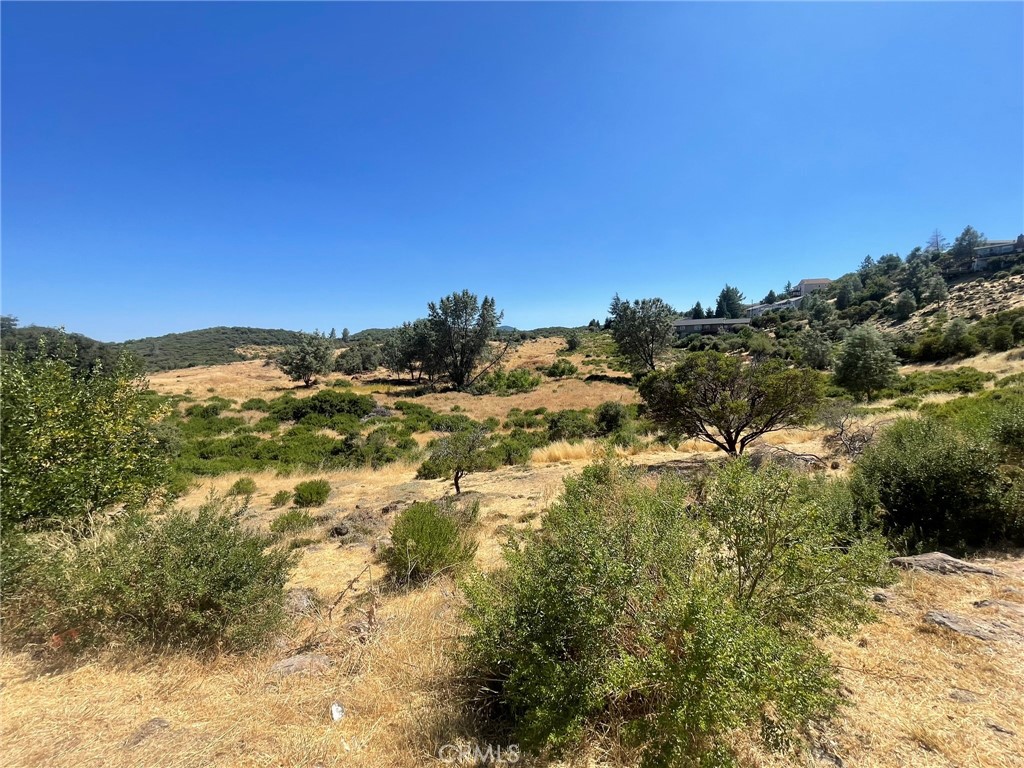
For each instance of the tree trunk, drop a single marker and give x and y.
(458, 476)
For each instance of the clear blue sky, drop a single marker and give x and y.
(175, 166)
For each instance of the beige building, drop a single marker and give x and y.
(811, 285)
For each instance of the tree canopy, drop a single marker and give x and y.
(866, 362)
(313, 356)
(460, 327)
(642, 329)
(724, 401)
(730, 302)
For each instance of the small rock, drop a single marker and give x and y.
(299, 602)
(1000, 729)
(337, 711)
(938, 562)
(963, 696)
(959, 625)
(338, 531)
(880, 597)
(147, 730)
(310, 663)
(835, 465)
(1004, 604)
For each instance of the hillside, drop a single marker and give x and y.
(209, 346)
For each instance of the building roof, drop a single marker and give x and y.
(994, 243)
(684, 321)
(815, 280)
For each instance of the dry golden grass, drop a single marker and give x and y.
(397, 686)
(235, 381)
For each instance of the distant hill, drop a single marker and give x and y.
(82, 352)
(209, 346)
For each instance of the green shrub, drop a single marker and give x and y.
(672, 616)
(610, 417)
(292, 521)
(930, 484)
(501, 382)
(517, 446)
(243, 486)
(907, 403)
(185, 580)
(570, 425)
(312, 493)
(518, 418)
(561, 368)
(255, 404)
(280, 498)
(75, 444)
(1013, 380)
(425, 542)
(963, 380)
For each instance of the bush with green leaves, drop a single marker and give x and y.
(502, 382)
(76, 443)
(311, 493)
(930, 483)
(427, 540)
(963, 380)
(673, 615)
(610, 417)
(570, 425)
(518, 418)
(561, 368)
(243, 486)
(280, 499)
(194, 580)
(292, 521)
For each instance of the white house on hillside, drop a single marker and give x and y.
(811, 285)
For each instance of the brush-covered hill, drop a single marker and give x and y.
(209, 346)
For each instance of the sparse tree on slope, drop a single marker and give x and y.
(866, 362)
(905, 305)
(461, 326)
(721, 400)
(642, 329)
(313, 356)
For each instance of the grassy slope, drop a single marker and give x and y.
(395, 678)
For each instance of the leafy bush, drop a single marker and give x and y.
(561, 368)
(185, 580)
(75, 444)
(570, 425)
(930, 484)
(312, 493)
(243, 486)
(501, 382)
(1013, 380)
(292, 521)
(517, 446)
(425, 542)
(518, 418)
(280, 498)
(963, 380)
(907, 403)
(255, 404)
(610, 417)
(680, 617)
